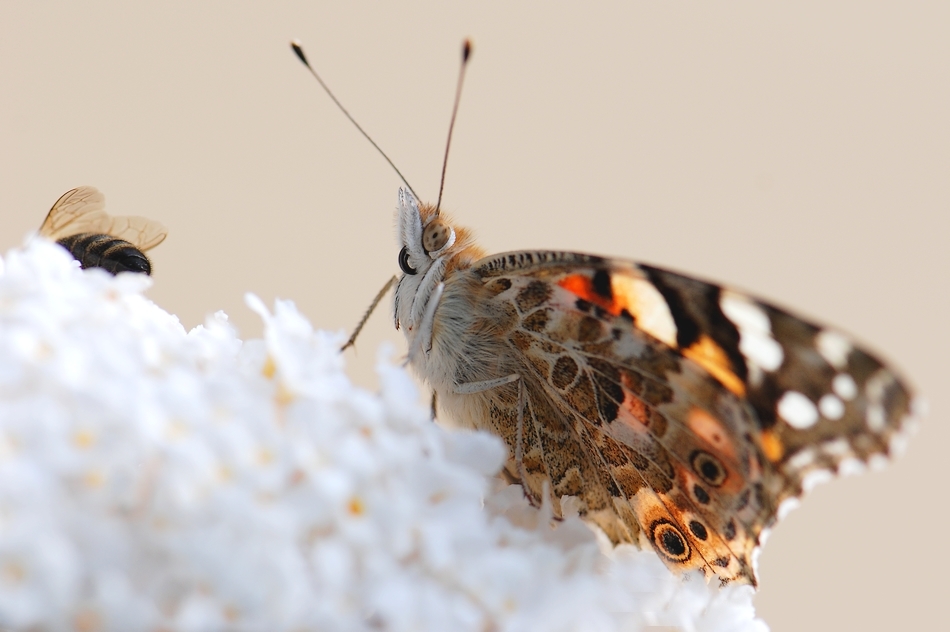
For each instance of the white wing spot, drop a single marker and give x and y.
(851, 466)
(919, 407)
(831, 407)
(898, 442)
(877, 384)
(815, 478)
(803, 459)
(876, 419)
(833, 347)
(786, 507)
(797, 410)
(755, 331)
(877, 462)
(844, 387)
(744, 313)
(837, 448)
(755, 373)
(757, 551)
(763, 350)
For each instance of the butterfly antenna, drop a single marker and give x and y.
(298, 50)
(466, 53)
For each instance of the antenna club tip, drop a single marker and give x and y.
(466, 50)
(297, 47)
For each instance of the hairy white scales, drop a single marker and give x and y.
(438, 318)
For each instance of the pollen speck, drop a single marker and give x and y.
(283, 396)
(13, 572)
(269, 369)
(265, 456)
(231, 613)
(87, 621)
(84, 439)
(94, 478)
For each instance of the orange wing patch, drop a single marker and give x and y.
(582, 286)
(618, 293)
(709, 355)
(772, 447)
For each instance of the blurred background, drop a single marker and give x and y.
(799, 151)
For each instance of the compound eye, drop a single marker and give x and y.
(404, 262)
(435, 236)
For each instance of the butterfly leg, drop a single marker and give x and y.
(519, 443)
(486, 385)
(422, 340)
(369, 310)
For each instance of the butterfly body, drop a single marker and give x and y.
(668, 411)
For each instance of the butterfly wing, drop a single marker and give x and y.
(82, 210)
(699, 409)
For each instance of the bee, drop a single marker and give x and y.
(79, 223)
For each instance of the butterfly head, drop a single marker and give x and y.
(432, 247)
(424, 234)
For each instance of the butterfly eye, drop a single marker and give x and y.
(404, 261)
(435, 236)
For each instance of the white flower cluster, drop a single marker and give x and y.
(158, 479)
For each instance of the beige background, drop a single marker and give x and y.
(799, 151)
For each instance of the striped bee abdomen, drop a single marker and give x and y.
(104, 251)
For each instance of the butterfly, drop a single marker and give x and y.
(674, 413)
(79, 223)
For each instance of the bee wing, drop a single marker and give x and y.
(73, 212)
(82, 210)
(141, 232)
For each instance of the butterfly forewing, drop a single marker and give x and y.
(701, 408)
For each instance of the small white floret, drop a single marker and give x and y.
(158, 479)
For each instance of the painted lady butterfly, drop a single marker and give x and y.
(675, 413)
